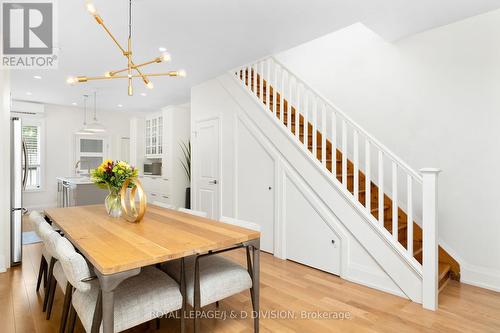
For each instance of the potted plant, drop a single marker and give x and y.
(111, 175)
(186, 164)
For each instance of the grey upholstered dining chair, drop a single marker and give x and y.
(137, 300)
(211, 278)
(56, 274)
(163, 205)
(193, 212)
(35, 218)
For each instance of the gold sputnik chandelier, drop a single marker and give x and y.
(132, 70)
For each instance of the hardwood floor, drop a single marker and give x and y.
(285, 287)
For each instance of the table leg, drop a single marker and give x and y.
(184, 295)
(256, 283)
(108, 284)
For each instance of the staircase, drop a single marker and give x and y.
(336, 144)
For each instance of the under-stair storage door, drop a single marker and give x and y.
(256, 175)
(309, 238)
(206, 167)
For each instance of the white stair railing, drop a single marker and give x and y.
(351, 140)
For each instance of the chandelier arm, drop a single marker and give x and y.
(94, 78)
(101, 23)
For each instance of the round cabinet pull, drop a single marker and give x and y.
(270, 188)
(333, 241)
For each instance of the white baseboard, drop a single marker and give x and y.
(3, 266)
(41, 207)
(482, 277)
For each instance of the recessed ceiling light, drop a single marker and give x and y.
(119, 105)
(29, 93)
(144, 94)
(38, 77)
(162, 49)
(74, 103)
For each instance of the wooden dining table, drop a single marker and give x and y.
(118, 249)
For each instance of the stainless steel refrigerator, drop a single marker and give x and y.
(18, 178)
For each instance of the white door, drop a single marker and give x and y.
(256, 176)
(206, 163)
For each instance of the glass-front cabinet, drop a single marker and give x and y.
(154, 136)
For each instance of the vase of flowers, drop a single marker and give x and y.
(111, 175)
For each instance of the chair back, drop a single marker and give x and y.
(163, 205)
(241, 223)
(193, 212)
(35, 218)
(49, 237)
(74, 265)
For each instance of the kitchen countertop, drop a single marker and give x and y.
(76, 180)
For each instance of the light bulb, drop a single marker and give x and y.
(90, 7)
(181, 73)
(71, 80)
(150, 85)
(165, 57)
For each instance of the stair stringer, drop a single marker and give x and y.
(405, 272)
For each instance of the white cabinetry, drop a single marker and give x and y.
(157, 136)
(156, 188)
(153, 136)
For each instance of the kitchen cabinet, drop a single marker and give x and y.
(171, 127)
(156, 188)
(153, 136)
(78, 191)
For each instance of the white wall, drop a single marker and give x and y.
(61, 122)
(179, 117)
(433, 99)
(4, 170)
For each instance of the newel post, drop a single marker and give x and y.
(430, 238)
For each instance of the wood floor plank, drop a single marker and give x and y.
(285, 287)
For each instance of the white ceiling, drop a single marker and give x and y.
(208, 37)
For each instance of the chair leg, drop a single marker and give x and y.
(51, 293)
(47, 286)
(41, 270)
(67, 302)
(72, 319)
(45, 273)
(197, 298)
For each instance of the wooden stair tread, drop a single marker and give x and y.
(444, 268)
(376, 209)
(388, 225)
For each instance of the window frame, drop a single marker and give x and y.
(40, 123)
(78, 154)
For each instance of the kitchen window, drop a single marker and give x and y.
(90, 153)
(32, 132)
